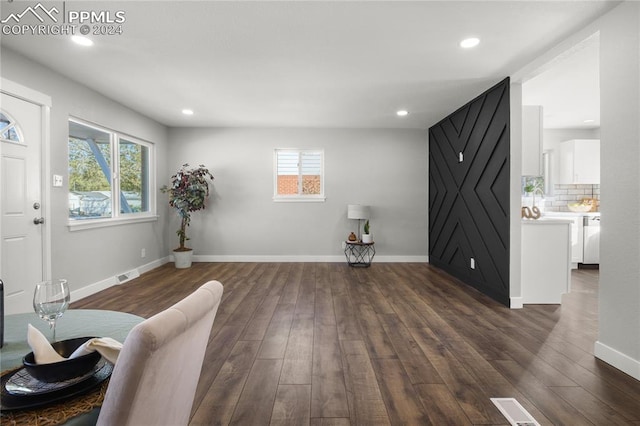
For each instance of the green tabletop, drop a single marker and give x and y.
(74, 323)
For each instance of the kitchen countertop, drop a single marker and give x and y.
(570, 214)
(547, 221)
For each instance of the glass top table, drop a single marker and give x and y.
(74, 323)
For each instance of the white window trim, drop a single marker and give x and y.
(83, 224)
(298, 198)
(118, 218)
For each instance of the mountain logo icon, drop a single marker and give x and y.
(38, 11)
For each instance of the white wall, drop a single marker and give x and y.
(386, 169)
(515, 171)
(619, 325)
(90, 257)
(619, 336)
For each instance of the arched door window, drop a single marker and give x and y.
(9, 130)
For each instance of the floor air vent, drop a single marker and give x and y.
(514, 412)
(123, 278)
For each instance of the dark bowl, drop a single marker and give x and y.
(62, 370)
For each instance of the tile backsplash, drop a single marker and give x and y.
(564, 194)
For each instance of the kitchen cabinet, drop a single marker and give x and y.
(545, 272)
(580, 161)
(531, 140)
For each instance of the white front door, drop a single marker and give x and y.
(21, 249)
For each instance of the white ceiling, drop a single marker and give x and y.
(306, 64)
(569, 90)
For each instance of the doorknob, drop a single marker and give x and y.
(38, 220)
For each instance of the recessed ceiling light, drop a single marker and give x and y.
(468, 43)
(82, 41)
(402, 113)
(187, 111)
(588, 121)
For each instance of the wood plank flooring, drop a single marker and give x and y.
(323, 344)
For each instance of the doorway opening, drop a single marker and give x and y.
(567, 91)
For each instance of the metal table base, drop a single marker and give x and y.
(359, 254)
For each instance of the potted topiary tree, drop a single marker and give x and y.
(187, 193)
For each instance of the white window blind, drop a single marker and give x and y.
(299, 175)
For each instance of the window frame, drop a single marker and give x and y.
(299, 197)
(118, 218)
(11, 123)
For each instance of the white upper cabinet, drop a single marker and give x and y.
(531, 140)
(580, 161)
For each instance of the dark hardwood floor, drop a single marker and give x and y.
(403, 344)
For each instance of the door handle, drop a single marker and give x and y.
(38, 220)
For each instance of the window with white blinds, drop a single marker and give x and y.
(299, 175)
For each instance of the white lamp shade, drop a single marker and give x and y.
(357, 211)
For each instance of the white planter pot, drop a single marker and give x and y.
(183, 259)
(367, 238)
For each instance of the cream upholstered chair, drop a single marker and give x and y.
(155, 378)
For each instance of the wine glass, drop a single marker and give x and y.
(50, 300)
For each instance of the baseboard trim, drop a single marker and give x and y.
(516, 303)
(94, 288)
(617, 359)
(153, 265)
(401, 259)
(90, 289)
(265, 258)
(299, 258)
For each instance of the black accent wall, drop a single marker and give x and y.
(469, 199)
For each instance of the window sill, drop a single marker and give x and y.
(299, 199)
(83, 224)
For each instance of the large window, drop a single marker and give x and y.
(299, 175)
(110, 175)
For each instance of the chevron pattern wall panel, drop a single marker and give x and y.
(469, 193)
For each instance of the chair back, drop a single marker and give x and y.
(155, 378)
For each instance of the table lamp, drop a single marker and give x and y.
(357, 211)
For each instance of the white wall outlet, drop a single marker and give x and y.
(344, 245)
(143, 253)
(57, 181)
(473, 263)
